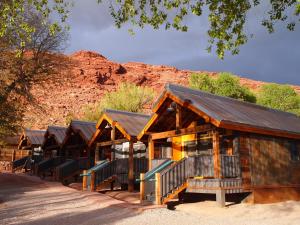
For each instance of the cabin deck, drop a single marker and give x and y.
(211, 186)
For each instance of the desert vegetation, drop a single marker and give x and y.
(127, 97)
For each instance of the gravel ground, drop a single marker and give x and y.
(28, 200)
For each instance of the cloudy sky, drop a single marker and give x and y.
(274, 58)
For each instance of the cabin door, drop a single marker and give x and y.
(177, 148)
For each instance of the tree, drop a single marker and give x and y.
(128, 97)
(281, 97)
(35, 62)
(226, 18)
(225, 84)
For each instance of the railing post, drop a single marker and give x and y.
(93, 176)
(130, 168)
(84, 181)
(157, 189)
(142, 187)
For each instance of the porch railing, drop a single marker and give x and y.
(230, 166)
(48, 164)
(175, 176)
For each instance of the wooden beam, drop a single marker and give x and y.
(108, 143)
(174, 133)
(216, 153)
(178, 117)
(97, 157)
(150, 151)
(130, 169)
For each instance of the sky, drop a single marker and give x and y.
(267, 57)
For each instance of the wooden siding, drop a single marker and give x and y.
(268, 161)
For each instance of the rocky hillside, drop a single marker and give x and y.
(86, 76)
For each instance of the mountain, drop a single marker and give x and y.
(86, 76)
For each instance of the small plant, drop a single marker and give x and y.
(226, 84)
(127, 97)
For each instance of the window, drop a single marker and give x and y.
(295, 151)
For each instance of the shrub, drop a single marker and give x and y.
(281, 97)
(128, 97)
(226, 84)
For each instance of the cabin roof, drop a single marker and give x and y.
(234, 114)
(129, 124)
(86, 129)
(58, 132)
(11, 140)
(35, 137)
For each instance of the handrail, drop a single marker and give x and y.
(20, 162)
(150, 174)
(95, 168)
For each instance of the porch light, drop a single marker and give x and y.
(172, 107)
(107, 126)
(169, 139)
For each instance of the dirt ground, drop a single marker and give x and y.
(27, 200)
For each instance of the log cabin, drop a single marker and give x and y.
(53, 140)
(51, 146)
(31, 140)
(115, 141)
(75, 150)
(219, 145)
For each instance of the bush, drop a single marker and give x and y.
(226, 84)
(128, 97)
(281, 97)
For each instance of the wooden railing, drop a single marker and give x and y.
(230, 166)
(202, 165)
(175, 176)
(8, 154)
(20, 162)
(118, 168)
(48, 164)
(66, 169)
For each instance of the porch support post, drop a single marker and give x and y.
(157, 189)
(220, 197)
(150, 151)
(178, 117)
(142, 187)
(216, 153)
(131, 169)
(97, 149)
(84, 180)
(92, 183)
(113, 138)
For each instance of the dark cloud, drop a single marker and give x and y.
(273, 58)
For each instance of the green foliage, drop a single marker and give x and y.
(14, 15)
(225, 84)
(227, 19)
(128, 97)
(281, 97)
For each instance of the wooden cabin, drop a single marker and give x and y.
(31, 139)
(115, 141)
(75, 143)
(220, 145)
(9, 152)
(75, 150)
(53, 140)
(52, 144)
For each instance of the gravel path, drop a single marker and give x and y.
(28, 200)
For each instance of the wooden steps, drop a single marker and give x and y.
(105, 183)
(174, 193)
